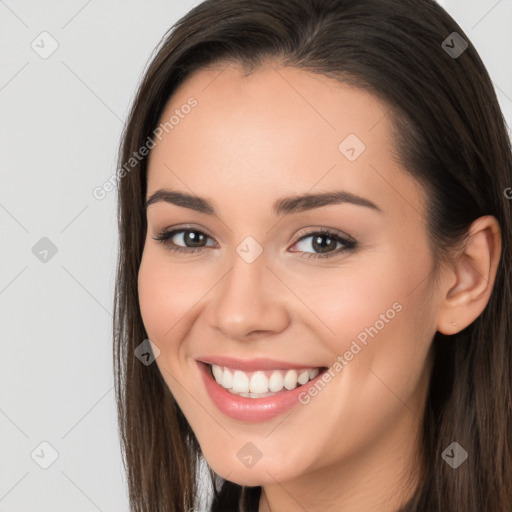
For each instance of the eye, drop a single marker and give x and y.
(193, 240)
(325, 242)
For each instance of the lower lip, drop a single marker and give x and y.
(251, 409)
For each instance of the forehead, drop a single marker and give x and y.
(277, 129)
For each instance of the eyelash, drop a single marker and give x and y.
(350, 245)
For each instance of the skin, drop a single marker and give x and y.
(250, 141)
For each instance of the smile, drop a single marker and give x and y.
(256, 390)
(261, 383)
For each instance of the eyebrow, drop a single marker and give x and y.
(283, 206)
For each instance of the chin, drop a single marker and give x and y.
(262, 472)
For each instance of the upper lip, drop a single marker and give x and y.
(249, 365)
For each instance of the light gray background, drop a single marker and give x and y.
(60, 123)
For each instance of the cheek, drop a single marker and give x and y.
(167, 294)
(348, 302)
(378, 310)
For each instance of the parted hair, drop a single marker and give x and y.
(449, 134)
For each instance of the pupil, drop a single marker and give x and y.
(323, 247)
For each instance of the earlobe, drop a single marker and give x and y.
(475, 270)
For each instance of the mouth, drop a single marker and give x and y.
(256, 391)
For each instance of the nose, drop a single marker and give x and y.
(250, 301)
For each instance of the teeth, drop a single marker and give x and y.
(290, 379)
(251, 395)
(240, 382)
(303, 377)
(217, 372)
(227, 378)
(258, 383)
(261, 383)
(276, 381)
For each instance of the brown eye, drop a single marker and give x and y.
(183, 240)
(324, 244)
(193, 238)
(319, 243)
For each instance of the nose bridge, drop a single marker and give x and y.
(247, 300)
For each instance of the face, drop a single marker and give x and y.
(293, 333)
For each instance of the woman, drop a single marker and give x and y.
(315, 236)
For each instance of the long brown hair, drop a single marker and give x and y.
(450, 135)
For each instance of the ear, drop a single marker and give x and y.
(471, 278)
